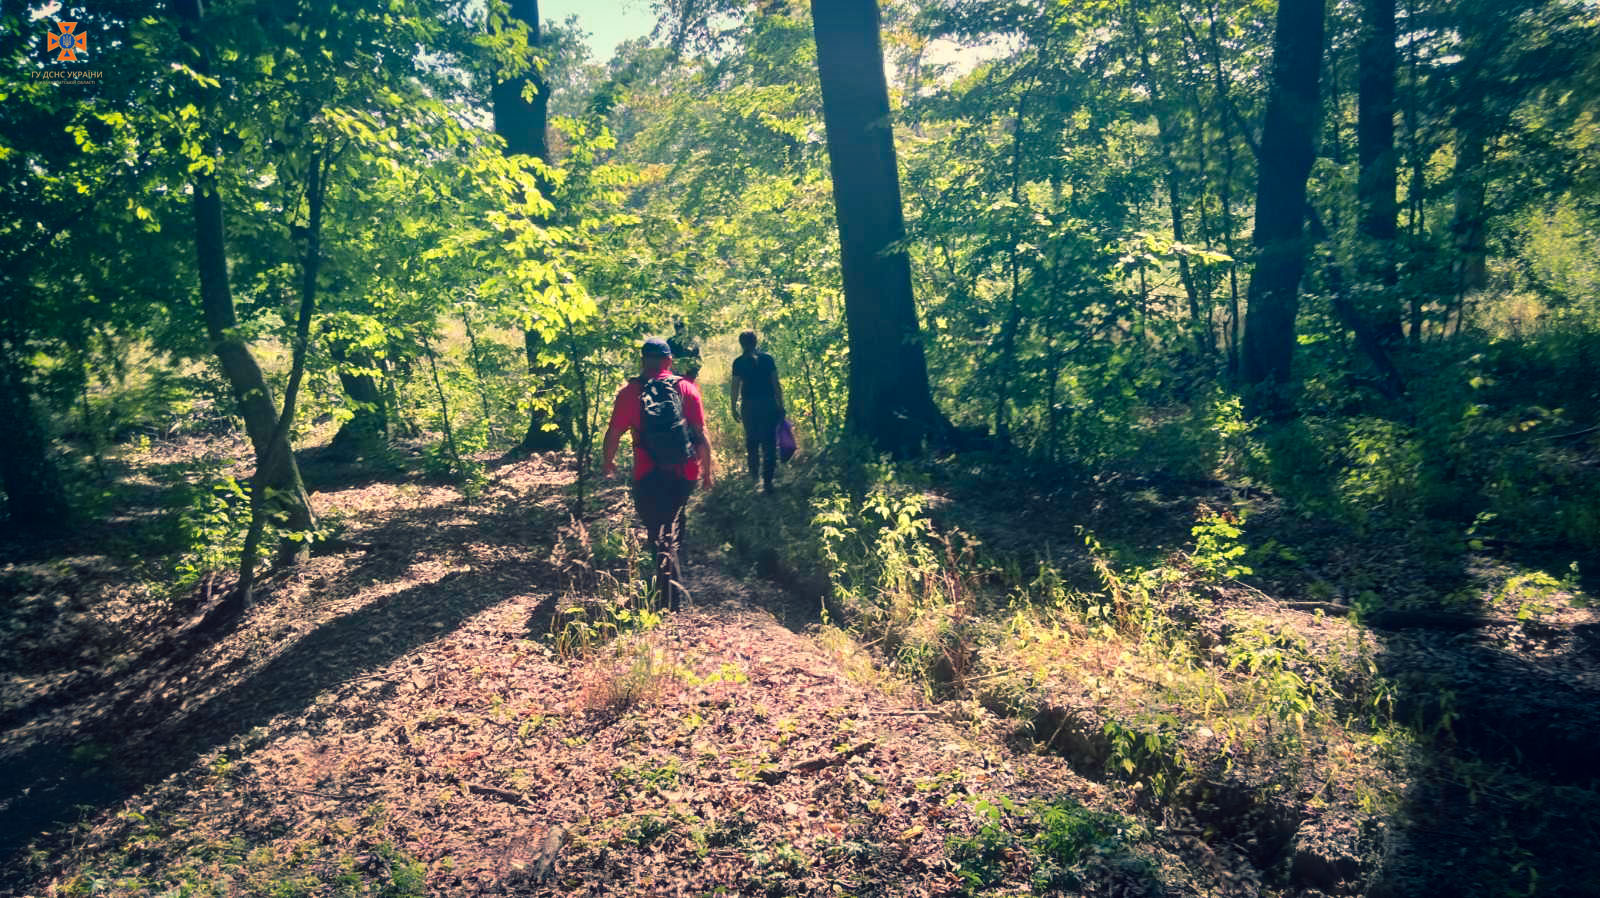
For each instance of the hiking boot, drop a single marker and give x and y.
(768, 489)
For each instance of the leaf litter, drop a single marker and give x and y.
(396, 722)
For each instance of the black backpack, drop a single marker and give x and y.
(662, 426)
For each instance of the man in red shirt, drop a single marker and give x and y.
(661, 491)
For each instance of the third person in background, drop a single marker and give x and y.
(758, 404)
(685, 352)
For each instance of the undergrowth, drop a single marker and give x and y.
(1155, 676)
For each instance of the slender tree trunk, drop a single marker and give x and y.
(35, 498)
(1375, 151)
(1224, 104)
(890, 404)
(1287, 137)
(275, 462)
(1165, 127)
(1206, 283)
(823, 424)
(1008, 331)
(1335, 119)
(444, 411)
(1417, 189)
(1467, 226)
(475, 355)
(260, 501)
(583, 437)
(396, 383)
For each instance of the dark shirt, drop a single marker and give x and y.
(757, 374)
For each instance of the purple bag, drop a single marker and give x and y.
(786, 443)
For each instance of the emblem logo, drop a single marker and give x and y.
(67, 43)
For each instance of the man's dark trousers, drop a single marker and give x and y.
(660, 497)
(761, 442)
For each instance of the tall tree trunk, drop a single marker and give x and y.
(1375, 151)
(1417, 188)
(1287, 139)
(1013, 322)
(890, 404)
(1207, 283)
(1165, 138)
(35, 499)
(1474, 125)
(1467, 224)
(316, 192)
(523, 124)
(368, 431)
(1224, 106)
(276, 466)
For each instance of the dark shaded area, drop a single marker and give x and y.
(112, 757)
(1502, 794)
(756, 527)
(1504, 714)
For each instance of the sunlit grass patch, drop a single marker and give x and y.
(631, 673)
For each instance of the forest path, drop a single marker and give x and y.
(399, 721)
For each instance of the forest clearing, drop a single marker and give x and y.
(1197, 485)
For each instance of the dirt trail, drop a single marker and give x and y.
(399, 723)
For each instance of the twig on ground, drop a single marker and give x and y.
(839, 757)
(505, 795)
(1329, 608)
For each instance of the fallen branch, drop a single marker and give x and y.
(336, 545)
(812, 765)
(835, 759)
(1431, 620)
(505, 795)
(1329, 608)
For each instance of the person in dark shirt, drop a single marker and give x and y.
(758, 403)
(685, 352)
(661, 492)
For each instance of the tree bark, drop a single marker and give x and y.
(35, 499)
(275, 459)
(369, 429)
(890, 403)
(1169, 165)
(1224, 104)
(1013, 322)
(260, 499)
(1287, 140)
(523, 123)
(1375, 152)
(1417, 188)
(1467, 221)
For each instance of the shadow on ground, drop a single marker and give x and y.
(141, 738)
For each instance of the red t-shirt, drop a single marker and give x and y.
(625, 415)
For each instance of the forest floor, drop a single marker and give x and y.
(403, 721)
(429, 716)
